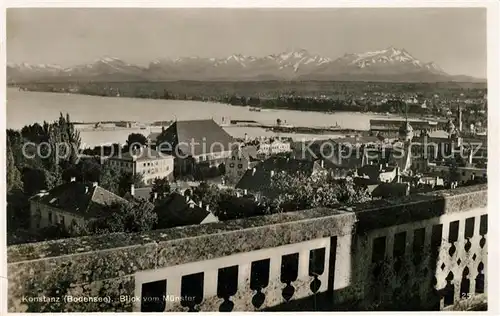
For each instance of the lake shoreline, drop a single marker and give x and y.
(262, 108)
(27, 108)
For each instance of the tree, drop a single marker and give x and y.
(293, 192)
(109, 179)
(13, 173)
(64, 141)
(136, 139)
(207, 194)
(126, 180)
(161, 187)
(129, 217)
(35, 180)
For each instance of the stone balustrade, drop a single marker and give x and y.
(423, 252)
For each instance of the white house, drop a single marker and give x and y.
(146, 161)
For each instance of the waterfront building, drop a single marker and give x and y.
(196, 142)
(146, 161)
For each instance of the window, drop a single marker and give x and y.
(231, 165)
(144, 164)
(240, 166)
(62, 219)
(50, 217)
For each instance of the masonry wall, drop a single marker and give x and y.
(373, 256)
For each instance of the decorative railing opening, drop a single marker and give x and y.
(429, 253)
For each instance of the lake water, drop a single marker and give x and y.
(29, 107)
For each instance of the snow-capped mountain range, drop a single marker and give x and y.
(390, 64)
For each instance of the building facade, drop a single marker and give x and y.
(273, 147)
(148, 162)
(70, 204)
(196, 143)
(240, 161)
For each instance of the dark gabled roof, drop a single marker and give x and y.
(337, 171)
(239, 207)
(261, 178)
(140, 193)
(82, 199)
(372, 171)
(247, 152)
(176, 211)
(326, 149)
(199, 132)
(390, 190)
(365, 181)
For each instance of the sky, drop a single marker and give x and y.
(454, 38)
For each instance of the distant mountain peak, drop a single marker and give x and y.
(391, 63)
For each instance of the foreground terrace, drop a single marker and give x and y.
(422, 252)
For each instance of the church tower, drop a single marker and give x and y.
(406, 130)
(406, 136)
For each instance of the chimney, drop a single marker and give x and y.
(86, 189)
(322, 163)
(237, 194)
(73, 179)
(253, 171)
(200, 204)
(155, 196)
(94, 184)
(132, 189)
(272, 173)
(207, 208)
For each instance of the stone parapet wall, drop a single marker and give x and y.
(365, 257)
